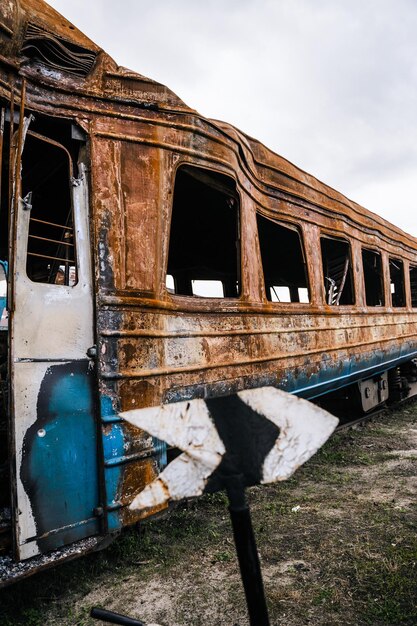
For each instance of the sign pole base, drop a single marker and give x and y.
(246, 549)
(114, 618)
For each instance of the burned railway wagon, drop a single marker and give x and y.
(150, 255)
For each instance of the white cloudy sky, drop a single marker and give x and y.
(329, 84)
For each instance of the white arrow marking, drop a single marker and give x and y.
(304, 427)
(187, 426)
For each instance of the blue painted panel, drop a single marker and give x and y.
(302, 381)
(116, 460)
(331, 376)
(113, 445)
(3, 299)
(59, 463)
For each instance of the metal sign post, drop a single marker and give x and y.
(257, 436)
(114, 618)
(247, 551)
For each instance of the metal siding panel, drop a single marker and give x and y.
(52, 383)
(59, 466)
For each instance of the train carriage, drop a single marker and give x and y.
(152, 255)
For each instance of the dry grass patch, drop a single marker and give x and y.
(337, 543)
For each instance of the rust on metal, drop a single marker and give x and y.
(211, 432)
(144, 164)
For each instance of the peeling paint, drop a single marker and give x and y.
(304, 428)
(152, 346)
(207, 435)
(187, 426)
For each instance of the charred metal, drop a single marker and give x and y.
(197, 262)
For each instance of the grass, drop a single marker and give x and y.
(338, 545)
(388, 584)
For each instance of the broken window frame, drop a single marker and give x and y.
(206, 176)
(294, 291)
(413, 286)
(380, 273)
(332, 297)
(67, 230)
(399, 301)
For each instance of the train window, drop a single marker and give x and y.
(413, 285)
(279, 294)
(204, 248)
(169, 283)
(396, 273)
(283, 294)
(337, 271)
(373, 277)
(208, 288)
(46, 173)
(283, 262)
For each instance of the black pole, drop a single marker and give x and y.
(114, 618)
(250, 569)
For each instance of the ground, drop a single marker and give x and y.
(337, 542)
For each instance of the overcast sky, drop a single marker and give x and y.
(329, 84)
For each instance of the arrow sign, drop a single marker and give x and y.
(262, 434)
(255, 436)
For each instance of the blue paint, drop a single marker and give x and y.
(59, 463)
(336, 376)
(329, 377)
(113, 447)
(3, 299)
(301, 381)
(116, 460)
(160, 448)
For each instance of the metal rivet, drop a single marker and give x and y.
(41, 432)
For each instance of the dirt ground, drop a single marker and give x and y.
(337, 542)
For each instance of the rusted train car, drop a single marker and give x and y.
(152, 255)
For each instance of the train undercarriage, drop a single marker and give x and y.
(364, 397)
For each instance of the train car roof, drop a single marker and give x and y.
(33, 34)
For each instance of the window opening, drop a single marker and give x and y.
(303, 294)
(208, 288)
(413, 285)
(283, 262)
(373, 278)
(337, 272)
(169, 283)
(280, 294)
(46, 178)
(204, 246)
(396, 273)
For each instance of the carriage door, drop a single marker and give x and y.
(51, 330)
